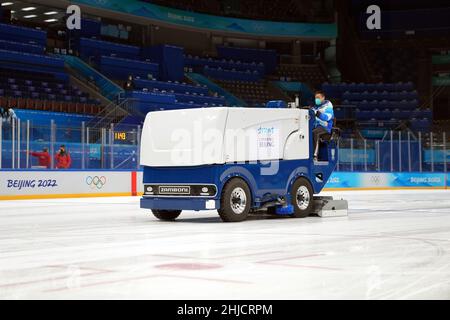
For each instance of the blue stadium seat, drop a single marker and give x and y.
(24, 35)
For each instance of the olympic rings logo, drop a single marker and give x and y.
(96, 182)
(375, 180)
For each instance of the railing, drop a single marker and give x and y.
(107, 88)
(230, 98)
(115, 113)
(117, 146)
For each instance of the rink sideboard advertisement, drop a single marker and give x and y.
(34, 184)
(394, 180)
(64, 184)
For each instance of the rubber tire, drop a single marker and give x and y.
(166, 215)
(298, 213)
(226, 213)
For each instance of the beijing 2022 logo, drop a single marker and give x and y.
(96, 182)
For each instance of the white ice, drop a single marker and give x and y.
(393, 245)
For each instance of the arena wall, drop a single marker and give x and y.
(34, 184)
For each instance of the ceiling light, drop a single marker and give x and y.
(4, 4)
(29, 9)
(30, 16)
(51, 20)
(50, 13)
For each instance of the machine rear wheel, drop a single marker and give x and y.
(235, 202)
(166, 215)
(302, 198)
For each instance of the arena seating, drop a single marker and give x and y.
(31, 36)
(380, 104)
(93, 48)
(310, 74)
(144, 102)
(240, 71)
(184, 94)
(170, 59)
(120, 68)
(39, 86)
(150, 97)
(199, 99)
(29, 79)
(227, 64)
(33, 62)
(21, 47)
(253, 93)
(392, 64)
(338, 89)
(223, 74)
(50, 105)
(171, 87)
(267, 57)
(109, 58)
(115, 60)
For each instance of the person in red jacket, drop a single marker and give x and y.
(44, 159)
(62, 157)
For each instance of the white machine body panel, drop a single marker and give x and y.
(202, 136)
(297, 144)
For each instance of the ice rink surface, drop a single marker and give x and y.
(393, 245)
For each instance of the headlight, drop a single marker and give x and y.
(204, 189)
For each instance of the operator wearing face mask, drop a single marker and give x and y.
(323, 110)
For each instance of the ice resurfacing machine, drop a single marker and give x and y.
(238, 161)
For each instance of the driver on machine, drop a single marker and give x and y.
(323, 110)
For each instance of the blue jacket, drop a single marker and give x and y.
(327, 115)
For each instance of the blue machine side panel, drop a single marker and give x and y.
(183, 175)
(267, 181)
(264, 186)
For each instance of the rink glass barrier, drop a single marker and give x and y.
(90, 148)
(117, 148)
(396, 152)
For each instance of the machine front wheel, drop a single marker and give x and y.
(235, 202)
(302, 198)
(166, 215)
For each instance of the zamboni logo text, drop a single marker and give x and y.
(174, 190)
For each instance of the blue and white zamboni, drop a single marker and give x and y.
(238, 161)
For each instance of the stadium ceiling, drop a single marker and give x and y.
(32, 12)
